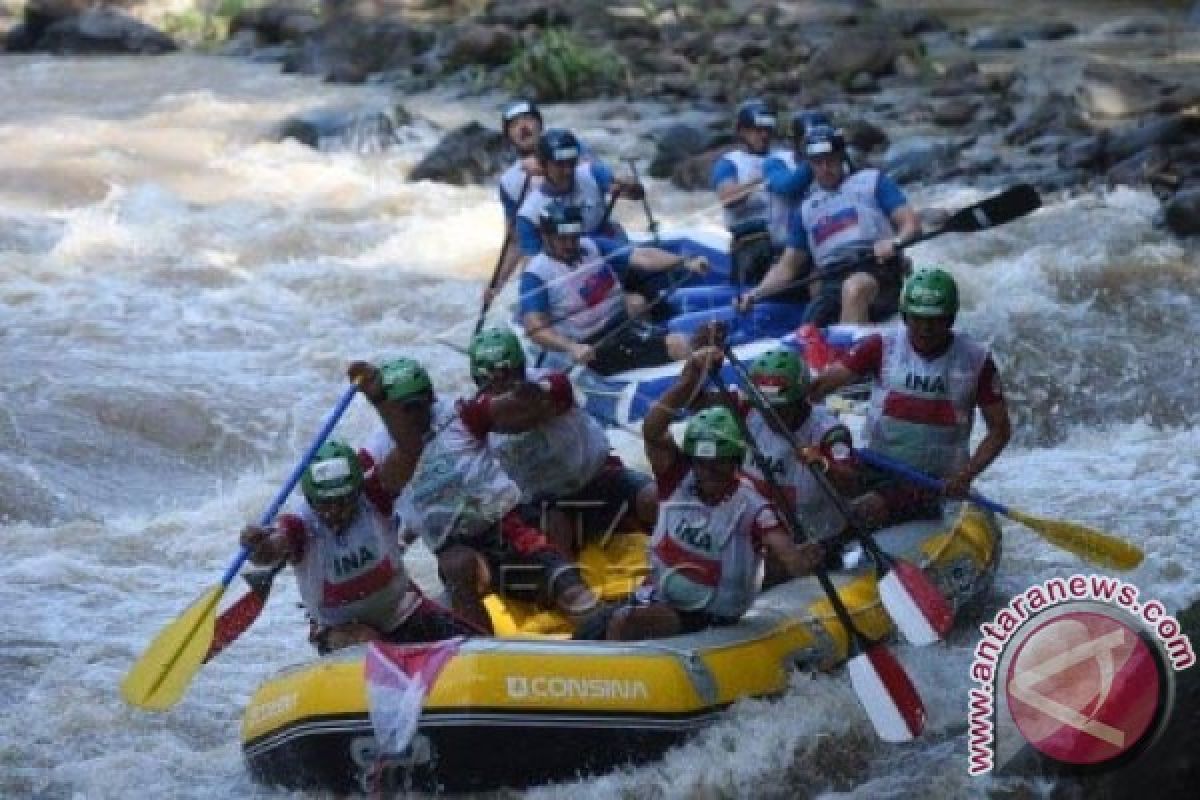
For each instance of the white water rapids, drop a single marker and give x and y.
(179, 296)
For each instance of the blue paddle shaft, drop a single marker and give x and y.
(281, 497)
(921, 479)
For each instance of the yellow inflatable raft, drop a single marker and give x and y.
(532, 706)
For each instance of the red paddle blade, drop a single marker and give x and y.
(817, 352)
(887, 694)
(914, 603)
(234, 621)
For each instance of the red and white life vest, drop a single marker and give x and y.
(817, 513)
(703, 557)
(922, 410)
(356, 575)
(558, 457)
(458, 490)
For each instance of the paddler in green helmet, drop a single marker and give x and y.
(556, 452)
(349, 563)
(714, 525)
(456, 496)
(927, 380)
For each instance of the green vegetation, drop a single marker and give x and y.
(203, 26)
(558, 65)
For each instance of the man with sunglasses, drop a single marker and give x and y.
(555, 451)
(349, 563)
(455, 495)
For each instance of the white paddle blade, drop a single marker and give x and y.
(887, 695)
(904, 610)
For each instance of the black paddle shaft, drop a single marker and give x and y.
(857, 642)
(882, 559)
(1012, 203)
(651, 223)
(508, 235)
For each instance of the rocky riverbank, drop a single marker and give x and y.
(1063, 95)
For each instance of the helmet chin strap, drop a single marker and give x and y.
(570, 256)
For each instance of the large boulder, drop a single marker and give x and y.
(695, 172)
(519, 13)
(1054, 114)
(84, 27)
(276, 23)
(1109, 90)
(470, 154)
(488, 45)
(677, 143)
(1145, 25)
(103, 31)
(1183, 218)
(847, 54)
(357, 129)
(920, 158)
(349, 49)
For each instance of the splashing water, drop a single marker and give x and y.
(181, 295)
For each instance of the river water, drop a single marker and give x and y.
(179, 295)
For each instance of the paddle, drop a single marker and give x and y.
(1091, 545)
(883, 687)
(158, 679)
(237, 619)
(651, 223)
(1013, 203)
(486, 303)
(914, 603)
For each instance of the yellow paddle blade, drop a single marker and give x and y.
(1093, 546)
(159, 678)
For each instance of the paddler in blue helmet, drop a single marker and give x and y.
(849, 230)
(737, 178)
(588, 185)
(572, 301)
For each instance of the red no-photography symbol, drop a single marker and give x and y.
(1084, 688)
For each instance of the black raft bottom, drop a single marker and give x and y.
(339, 754)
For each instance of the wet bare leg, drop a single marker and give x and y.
(643, 622)
(858, 291)
(466, 576)
(562, 532)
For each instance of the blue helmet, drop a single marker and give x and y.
(822, 139)
(804, 121)
(755, 114)
(557, 145)
(516, 109)
(561, 219)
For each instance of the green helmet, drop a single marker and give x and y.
(781, 376)
(714, 433)
(403, 378)
(930, 292)
(334, 473)
(493, 349)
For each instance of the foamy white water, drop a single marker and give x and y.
(180, 295)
